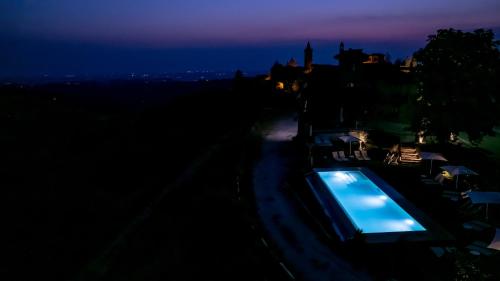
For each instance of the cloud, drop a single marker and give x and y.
(391, 26)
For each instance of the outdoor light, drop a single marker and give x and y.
(371, 202)
(383, 197)
(339, 174)
(363, 138)
(343, 177)
(409, 222)
(453, 137)
(421, 137)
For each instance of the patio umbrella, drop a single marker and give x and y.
(349, 139)
(432, 156)
(457, 171)
(484, 197)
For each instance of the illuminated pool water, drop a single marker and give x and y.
(367, 206)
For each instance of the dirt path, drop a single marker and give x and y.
(307, 257)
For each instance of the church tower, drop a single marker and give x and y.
(308, 58)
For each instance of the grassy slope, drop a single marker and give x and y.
(76, 168)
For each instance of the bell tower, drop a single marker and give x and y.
(308, 58)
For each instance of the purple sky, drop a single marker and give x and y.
(92, 27)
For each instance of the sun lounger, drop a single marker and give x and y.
(476, 225)
(429, 182)
(388, 159)
(438, 251)
(336, 156)
(451, 197)
(441, 251)
(342, 156)
(439, 178)
(455, 194)
(481, 248)
(358, 155)
(470, 210)
(364, 153)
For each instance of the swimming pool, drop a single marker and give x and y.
(367, 206)
(348, 199)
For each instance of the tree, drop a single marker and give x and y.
(458, 84)
(238, 75)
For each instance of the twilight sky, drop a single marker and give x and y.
(121, 36)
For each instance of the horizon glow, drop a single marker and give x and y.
(217, 24)
(181, 23)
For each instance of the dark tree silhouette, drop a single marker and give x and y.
(458, 83)
(238, 75)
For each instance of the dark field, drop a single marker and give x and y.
(125, 180)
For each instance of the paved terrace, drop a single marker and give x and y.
(303, 252)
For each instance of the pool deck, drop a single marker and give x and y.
(303, 252)
(343, 227)
(368, 207)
